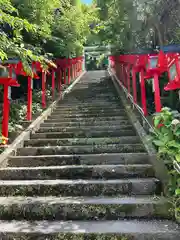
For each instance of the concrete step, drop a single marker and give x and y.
(84, 208)
(86, 115)
(84, 123)
(94, 230)
(85, 128)
(82, 134)
(82, 149)
(81, 141)
(89, 119)
(77, 172)
(91, 159)
(116, 187)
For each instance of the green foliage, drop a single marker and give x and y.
(71, 30)
(114, 22)
(166, 137)
(12, 30)
(33, 30)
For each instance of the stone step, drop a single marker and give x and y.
(80, 141)
(91, 159)
(85, 128)
(94, 230)
(116, 187)
(86, 115)
(73, 100)
(92, 99)
(86, 123)
(89, 107)
(88, 110)
(84, 208)
(82, 149)
(84, 134)
(86, 97)
(89, 94)
(91, 104)
(89, 119)
(77, 172)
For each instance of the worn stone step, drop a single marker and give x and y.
(85, 97)
(84, 208)
(91, 99)
(89, 107)
(87, 115)
(83, 134)
(82, 149)
(94, 230)
(80, 141)
(77, 172)
(73, 100)
(116, 187)
(86, 123)
(90, 119)
(90, 104)
(88, 110)
(85, 128)
(91, 159)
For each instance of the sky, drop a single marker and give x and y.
(86, 1)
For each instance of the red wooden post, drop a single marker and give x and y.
(69, 75)
(64, 75)
(53, 83)
(29, 98)
(43, 89)
(128, 79)
(134, 86)
(75, 68)
(6, 104)
(143, 92)
(124, 76)
(59, 80)
(72, 70)
(157, 93)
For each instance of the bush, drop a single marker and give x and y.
(166, 138)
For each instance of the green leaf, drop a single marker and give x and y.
(178, 157)
(158, 143)
(157, 120)
(177, 192)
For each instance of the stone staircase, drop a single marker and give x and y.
(84, 175)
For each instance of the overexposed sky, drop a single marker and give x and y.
(86, 1)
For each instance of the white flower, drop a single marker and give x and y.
(175, 122)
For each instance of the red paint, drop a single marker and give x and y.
(7, 82)
(157, 96)
(29, 99)
(53, 83)
(128, 79)
(69, 75)
(43, 89)
(134, 86)
(6, 106)
(143, 93)
(59, 80)
(64, 75)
